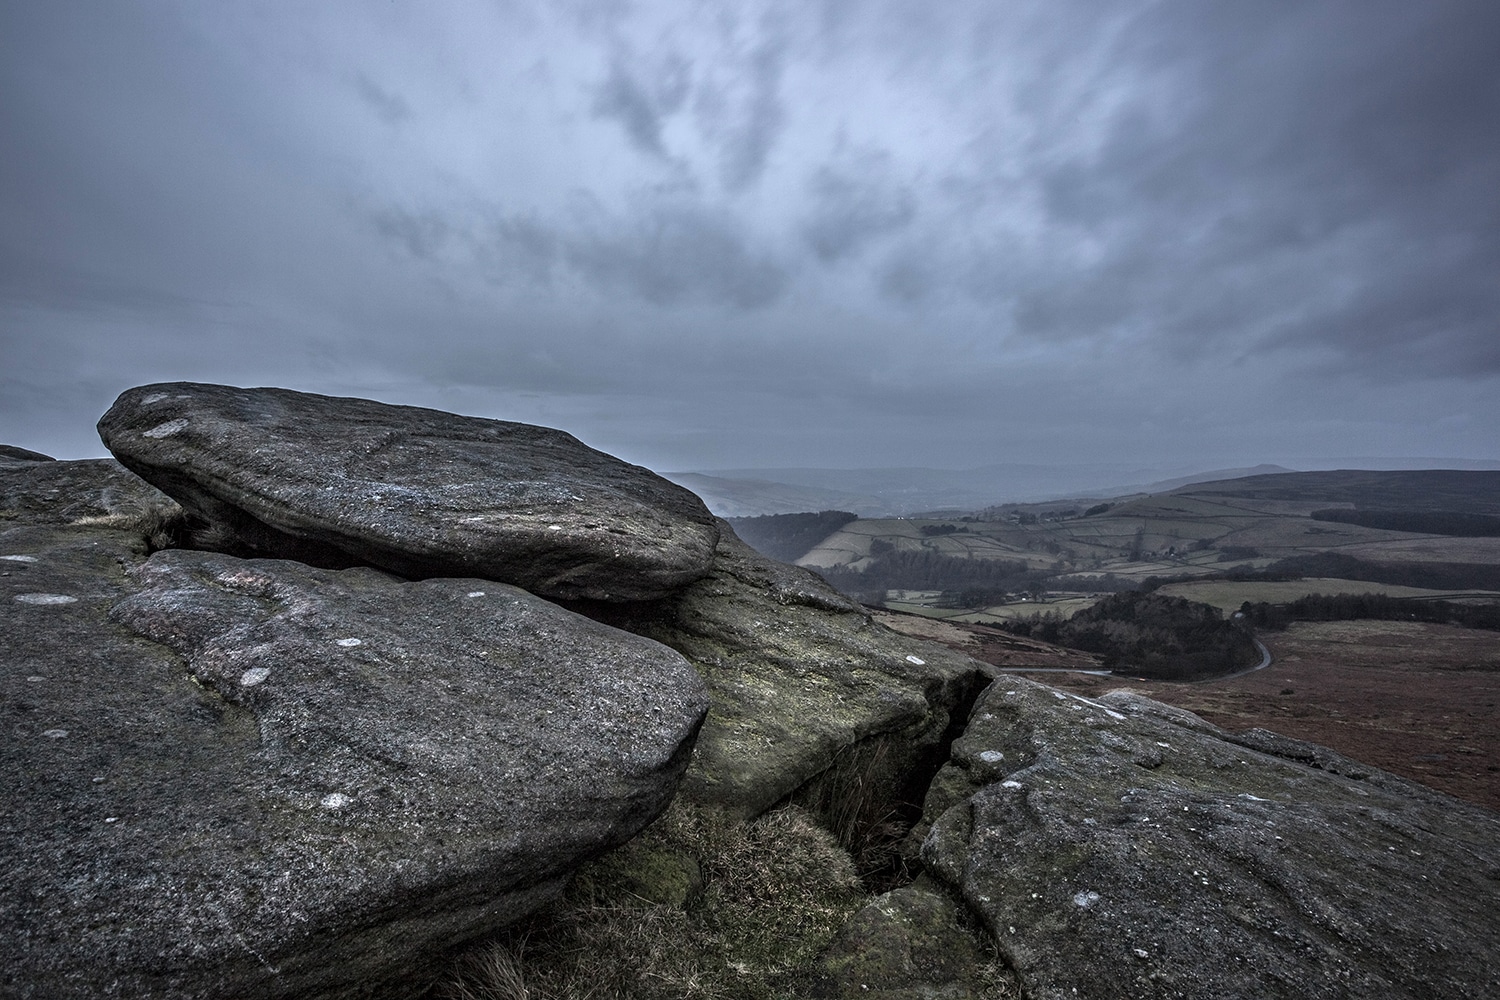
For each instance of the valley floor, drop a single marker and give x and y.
(1414, 699)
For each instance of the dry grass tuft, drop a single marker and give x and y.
(158, 521)
(773, 893)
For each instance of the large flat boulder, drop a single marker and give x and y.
(420, 492)
(804, 687)
(1122, 848)
(256, 779)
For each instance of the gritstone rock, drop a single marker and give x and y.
(1122, 848)
(10, 453)
(256, 779)
(803, 685)
(97, 491)
(912, 943)
(422, 493)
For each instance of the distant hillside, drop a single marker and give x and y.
(901, 492)
(1425, 529)
(1425, 490)
(1167, 485)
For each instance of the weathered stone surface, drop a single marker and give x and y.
(803, 685)
(94, 491)
(10, 453)
(912, 943)
(420, 492)
(251, 779)
(1122, 848)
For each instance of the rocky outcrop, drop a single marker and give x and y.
(10, 453)
(804, 686)
(419, 492)
(912, 943)
(1123, 848)
(255, 778)
(96, 491)
(268, 778)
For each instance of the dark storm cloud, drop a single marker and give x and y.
(421, 234)
(641, 107)
(390, 107)
(854, 206)
(746, 119)
(1294, 176)
(677, 252)
(955, 229)
(517, 248)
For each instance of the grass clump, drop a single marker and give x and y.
(158, 522)
(698, 905)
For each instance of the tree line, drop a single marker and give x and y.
(1150, 634)
(1428, 575)
(903, 569)
(1374, 607)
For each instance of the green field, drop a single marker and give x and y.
(1228, 595)
(927, 604)
(1198, 531)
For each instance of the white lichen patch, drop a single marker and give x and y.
(351, 641)
(167, 429)
(46, 599)
(155, 397)
(243, 580)
(991, 757)
(1085, 899)
(25, 559)
(54, 734)
(254, 676)
(335, 800)
(1093, 704)
(475, 593)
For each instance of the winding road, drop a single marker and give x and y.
(1265, 661)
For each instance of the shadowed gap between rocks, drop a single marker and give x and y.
(873, 795)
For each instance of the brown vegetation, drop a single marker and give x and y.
(1415, 699)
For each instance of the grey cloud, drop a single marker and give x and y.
(389, 106)
(667, 250)
(641, 107)
(1140, 224)
(745, 120)
(853, 208)
(1271, 178)
(511, 247)
(905, 278)
(422, 234)
(31, 283)
(673, 253)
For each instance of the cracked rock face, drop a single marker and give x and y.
(255, 779)
(1123, 848)
(420, 492)
(803, 683)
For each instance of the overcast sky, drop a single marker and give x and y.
(711, 235)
